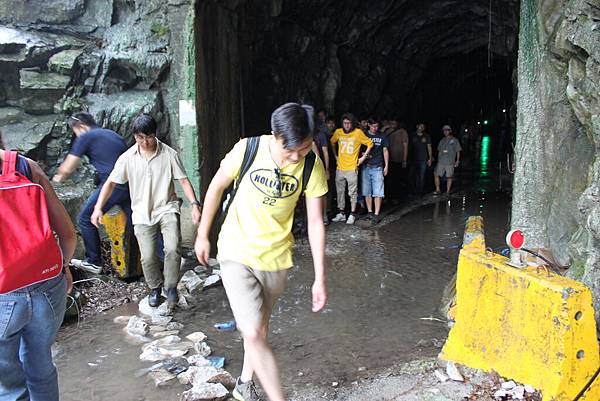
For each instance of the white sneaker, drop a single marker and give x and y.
(339, 217)
(351, 219)
(86, 266)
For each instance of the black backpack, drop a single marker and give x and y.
(249, 156)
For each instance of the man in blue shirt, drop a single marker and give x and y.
(102, 147)
(374, 170)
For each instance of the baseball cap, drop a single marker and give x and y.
(446, 127)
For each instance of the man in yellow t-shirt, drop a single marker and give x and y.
(255, 242)
(349, 140)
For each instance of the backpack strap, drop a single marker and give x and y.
(10, 163)
(309, 163)
(249, 156)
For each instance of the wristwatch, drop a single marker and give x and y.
(197, 202)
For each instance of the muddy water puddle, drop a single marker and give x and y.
(385, 287)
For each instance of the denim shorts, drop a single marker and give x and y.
(372, 181)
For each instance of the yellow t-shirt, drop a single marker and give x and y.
(257, 231)
(349, 147)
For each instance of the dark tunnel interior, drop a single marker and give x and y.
(432, 61)
(436, 61)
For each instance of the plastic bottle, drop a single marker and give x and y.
(225, 326)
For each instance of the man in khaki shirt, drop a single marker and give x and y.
(150, 167)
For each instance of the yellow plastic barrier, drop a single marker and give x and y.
(527, 325)
(124, 255)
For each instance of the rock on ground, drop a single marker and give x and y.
(205, 392)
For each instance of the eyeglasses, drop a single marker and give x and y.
(279, 182)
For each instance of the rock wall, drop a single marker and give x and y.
(114, 58)
(557, 183)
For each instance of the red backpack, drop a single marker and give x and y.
(29, 251)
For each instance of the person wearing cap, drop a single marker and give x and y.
(102, 147)
(448, 158)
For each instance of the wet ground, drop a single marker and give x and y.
(385, 287)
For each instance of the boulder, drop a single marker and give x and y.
(41, 11)
(191, 280)
(202, 349)
(116, 111)
(35, 80)
(155, 313)
(30, 134)
(137, 326)
(63, 62)
(198, 360)
(197, 336)
(162, 378)
(176, 365)
(10, 115)
(161, 334)
(205, 392)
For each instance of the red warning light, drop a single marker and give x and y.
(515, 239)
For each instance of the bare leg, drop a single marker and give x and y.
(262, 362)
(448, 185)
(369, 202)
(436, 179)
(353, 206)
(378, 202)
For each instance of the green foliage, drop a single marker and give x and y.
(159, 29)
(577, 269)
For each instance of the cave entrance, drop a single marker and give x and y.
(437, 62)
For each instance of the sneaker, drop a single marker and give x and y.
(339, 217)
(86, 266)
(370, 216)
(351, 219)
(155, 297)
(245, 391)
(436, 193)
(172, 298)
(376, 218)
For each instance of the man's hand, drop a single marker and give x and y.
(361, 160)
(327, 174)
(385, 171)
(96, 217)
(319, 295)
(196, 214)
(58, 178)
(429, 162)
(202, 248)
(69, 278)
(456, 164)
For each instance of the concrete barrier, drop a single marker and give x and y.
(527, 325)
(124, 253)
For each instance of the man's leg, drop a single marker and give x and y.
(340, 186)
(169, 226)
(146, 238)
(366, 187)
(378, 189)
(352, 178)
(421, 170)
(449, 175)
(89, 232)
(252, 295)
(436, 180)
(14, 315)
(48, 305)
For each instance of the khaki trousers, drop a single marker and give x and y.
(341, 178)
(146, 237)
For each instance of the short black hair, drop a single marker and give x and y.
(374, 120)
(350, 116)
(81, 118)
(294, 123)
(145, 124)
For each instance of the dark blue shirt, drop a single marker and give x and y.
(102, 146)
(380, 141)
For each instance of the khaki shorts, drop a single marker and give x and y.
(252, 293)
(440, 170)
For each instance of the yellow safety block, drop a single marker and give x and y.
(528, 325)
(123, 253)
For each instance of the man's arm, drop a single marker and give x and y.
(105, 193)
(457, 159)
(316, 237)
(430, 152)
(326, 160)
(190, 194)
(66, 168)
(386, 159)
(212, 201)
(404, 154)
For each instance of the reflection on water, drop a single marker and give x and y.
(382, 283)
